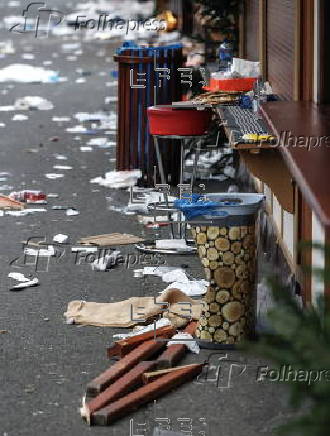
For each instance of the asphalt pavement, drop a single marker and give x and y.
(45, 363)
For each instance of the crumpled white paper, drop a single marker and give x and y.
(192, 288)
(185, 339)
(106, 262)
(118, 179)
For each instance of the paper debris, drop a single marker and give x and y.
(61, 119)
(118, 179)
(28, 74)
(24, 282)
(20, 117)
(62, 167)
(60, 157)
(86, 149)
(169, 244)
(192, 288)
(24, 212)
(72, 212)
(185, 339)
(54, 176)
(106, 262)
(84, 249)
(60, 238)
(43, 252)
(33, 102)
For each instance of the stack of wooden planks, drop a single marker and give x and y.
(134, 380)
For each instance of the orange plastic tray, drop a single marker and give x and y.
(243, 84)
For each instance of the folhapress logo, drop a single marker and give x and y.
(37, 18)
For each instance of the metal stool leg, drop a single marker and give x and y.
(159, 161)
(194, 172)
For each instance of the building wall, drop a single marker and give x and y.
(251, 24)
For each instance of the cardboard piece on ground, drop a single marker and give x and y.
(110, 239)
(135, 310)
(8, 204)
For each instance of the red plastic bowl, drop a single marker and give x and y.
(164, 120)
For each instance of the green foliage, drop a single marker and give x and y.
(301, 339)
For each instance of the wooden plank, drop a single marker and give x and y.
(149, 377)
(130, 381)
(144, 395)
(175, 352)
(123, 347)
(142, 352)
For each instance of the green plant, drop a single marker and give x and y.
(300, 338)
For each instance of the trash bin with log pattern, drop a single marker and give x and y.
(223, 226)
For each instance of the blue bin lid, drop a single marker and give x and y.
(131, 45)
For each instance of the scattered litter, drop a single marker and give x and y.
(97, 116)
(110, 239)
(43, 252)
(28, 56)
(101, 142)
(84, 249)
(7, 47)
(29, 103)
(60, 238)
(72, 212)
(61, 119)
(20, 117)
(110, 99)
(28, 74)
(24, 212)
(106, 262)
(192, 288)
(119, 179)
(27, 196)
(54, 175)
(24, 282)
(169, 244)
(81, 129)
(62, 167)
(120, 314)
(71, 46)
(176, 275)
(86, 149)
(60, 157)
(7, 203)
(185, 339)
(177, 278)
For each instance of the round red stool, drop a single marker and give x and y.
(168, 122)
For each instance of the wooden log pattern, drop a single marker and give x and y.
(228, 255)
